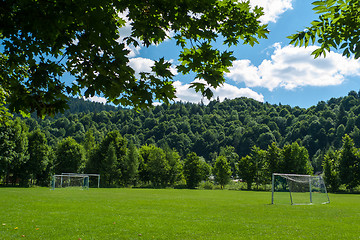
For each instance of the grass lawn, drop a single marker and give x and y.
(39, 213)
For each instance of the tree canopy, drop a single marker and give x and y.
(337, 27)
(179, 144)
(41, 41)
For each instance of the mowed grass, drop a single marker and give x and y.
(39, 213)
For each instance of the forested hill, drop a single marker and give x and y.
(82, 106)
(205, 129)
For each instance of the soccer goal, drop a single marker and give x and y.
(74, 180)
(298, 189)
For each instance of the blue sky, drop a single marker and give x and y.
(272, 71)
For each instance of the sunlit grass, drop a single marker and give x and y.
(39, 213)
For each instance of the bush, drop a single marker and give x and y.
(206, 185)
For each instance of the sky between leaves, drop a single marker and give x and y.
(272, 71)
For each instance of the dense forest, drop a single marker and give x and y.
(185, 143)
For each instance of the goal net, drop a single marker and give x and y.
(70, 180)
(298, 189)
(93, 180)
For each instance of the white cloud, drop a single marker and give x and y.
(291, 67)
(140, 64)
(272, 8)
(156, 104)
(230, 92)
(96, 99)
(186, 94)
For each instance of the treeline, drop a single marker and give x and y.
(185, 128)
(27, 159)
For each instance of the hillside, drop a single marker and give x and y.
(183, 143)
(204, 129)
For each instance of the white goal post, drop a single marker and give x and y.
(298, 189)
(73, 180)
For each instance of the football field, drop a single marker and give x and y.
(41, 213)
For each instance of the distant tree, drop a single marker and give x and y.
(342, 116)
(144, 152)
(158, 167)
(349, 163)
(247, 170)
(259, 158)
(265, 139)
(13, 151)
(176, 166)
(251, 168)
(231, 156)
(340, 132)
(331, 170)
(295, 160)
(355, 135)
(273, 158)
(222, 171)
(110, 171)
(154, 166)
(89, 143)
(109, 158)
(69, 157)
(317, 160)
(39, 164)
(205, 169)
(132, 161)
(192, 170)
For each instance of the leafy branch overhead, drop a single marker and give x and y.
(41, 41)
(337, 27)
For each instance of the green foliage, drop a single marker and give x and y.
(89, 143)
(205, 169)
(231, 156)
(273, 160)
(258, 166)
(331, 170)
(144, 152)
(13, 152)
(337, 27)
(132, 161)
(251, 168)
(110, 169)
(160, 167)
(247, 170)
(193, 170)
(83, 39)
(231, 128)
(38, 167)
(4, 113)
(69, 157)
(349, 163)
(108, 159)
(176, 166)
(222, 171)
(295, 160)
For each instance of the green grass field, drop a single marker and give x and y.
(39, 213)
